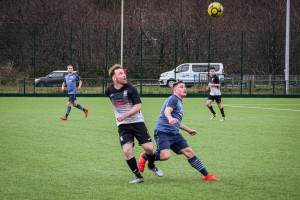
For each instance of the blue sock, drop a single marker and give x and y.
(68, 111)
(157, 155)
(80, 107)
(198, 165)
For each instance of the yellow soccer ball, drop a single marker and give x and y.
(215, 9)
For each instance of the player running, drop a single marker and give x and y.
(215, 94)
(71, 80)
(167, 136)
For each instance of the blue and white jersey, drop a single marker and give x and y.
(162, 123)
(71, 81)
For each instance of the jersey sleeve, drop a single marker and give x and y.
(77, 77)
(135, 97)
(107, 93)
(216, 80)
(172, 102)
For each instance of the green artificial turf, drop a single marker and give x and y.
(255, 152)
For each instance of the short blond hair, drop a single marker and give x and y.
(112, 69)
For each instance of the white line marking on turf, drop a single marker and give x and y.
(263, 104)
(262, 108)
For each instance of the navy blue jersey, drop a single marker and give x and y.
(162, 123)
(71, 81)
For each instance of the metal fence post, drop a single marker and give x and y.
(103, 86)
(250, 84)
(106, 52)
(242, 61)
(71, 45)
(141, 61)
(208, 54)
(24, 87)
(274, 62)
(175, 54)
(33, 57)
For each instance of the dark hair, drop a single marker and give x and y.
(176, 83)
(212, 68)
(112, 69)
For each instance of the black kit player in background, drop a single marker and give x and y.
(127, 108)
(215, 94)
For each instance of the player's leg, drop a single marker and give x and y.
(162, 151)
(85, 110)
(210, 107)
(181, 147)
(131, 161)
(196, 163)
(142, 134)
(65, 117)
(150, 154)
(219, 103)
(127, 143)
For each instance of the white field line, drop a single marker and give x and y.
(264, 104)
(244, 106)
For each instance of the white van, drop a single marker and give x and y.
(190, 73)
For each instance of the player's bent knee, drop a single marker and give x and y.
(188, 152)
(164, 156)
(148, 147)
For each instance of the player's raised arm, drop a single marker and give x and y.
(168, 115)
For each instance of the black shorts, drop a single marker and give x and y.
(217, 98)
(127, 133)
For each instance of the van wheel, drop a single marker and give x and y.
(170, 83)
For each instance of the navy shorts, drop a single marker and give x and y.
(217, 98)
(72, 98)
(127, 133)
(175, 142)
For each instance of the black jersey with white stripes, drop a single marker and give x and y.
(123, 100)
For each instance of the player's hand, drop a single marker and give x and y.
(173, 121)
(121, 117)
(192, 132)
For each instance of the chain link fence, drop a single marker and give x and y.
(250, 59)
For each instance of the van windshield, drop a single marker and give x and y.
(182, 68)
(204, 68)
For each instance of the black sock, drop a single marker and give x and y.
(212, 110)
(222, 112)
(80, 107)
(134, 168)
(151, 159)
(156, 155)
(68, 111)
